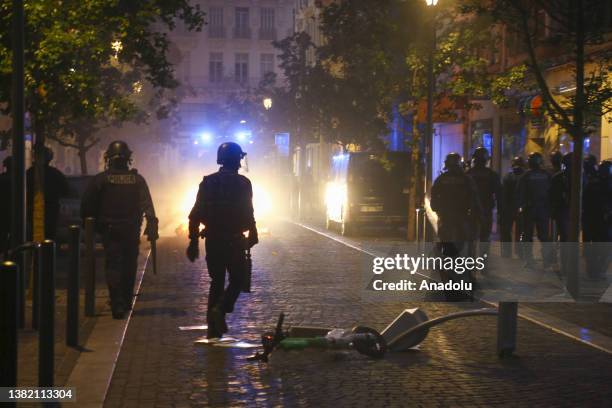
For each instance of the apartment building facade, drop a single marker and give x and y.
(231, 55)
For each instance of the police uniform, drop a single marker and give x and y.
(56, 187)
(489, 192)
(117, 198)
(509, 213)
(224, 205)
(533, 200)
(454, 198)
(595, 205)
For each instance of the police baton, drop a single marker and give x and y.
(248, 267)
(154, 255)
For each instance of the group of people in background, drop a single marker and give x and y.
(530, 199)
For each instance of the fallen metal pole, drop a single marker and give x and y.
(46, 333)
(90, 267)
(72, 306)
(9, 272)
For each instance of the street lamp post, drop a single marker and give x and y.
(430, 94)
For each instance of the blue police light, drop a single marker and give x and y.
(206, 137)
(242, 136)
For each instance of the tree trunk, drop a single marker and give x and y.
(82, 151)
(37, 223)
(578, 136)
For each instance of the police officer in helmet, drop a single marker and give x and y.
(454, 198)
(118, 198)
(509, 215)
(55, 188)
(224, 206)
(489, 192)
(534, 207)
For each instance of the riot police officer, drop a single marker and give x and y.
(556, 158)
(117, 198)
(509, 215)
(560, 198)
(224, 205)
(56, 187)
(534, 207)
(594, 228)
(489, 192)
(454, 198)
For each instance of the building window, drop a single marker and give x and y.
(215, 22)
(267, 63)
(215, 67)
(267, 27)
(242, 28)
(241, 72)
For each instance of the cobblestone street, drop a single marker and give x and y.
(317, 281)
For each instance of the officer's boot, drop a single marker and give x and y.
(218, 318)
(117, 304)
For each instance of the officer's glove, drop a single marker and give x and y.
(193, 250)
(253, 238)
(151, 231)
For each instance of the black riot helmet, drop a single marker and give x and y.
(534, 160)
(480, 156)
(118, 153)
(567, 161)
(590, 164)
(453, 162)
(556, 157)
(229, 154)
(518, 162)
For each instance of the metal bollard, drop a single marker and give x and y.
(21, 303)
(9, 272)
(36, 289)
(72, 306)
(46, 333)
(90, 267)
(506, 328)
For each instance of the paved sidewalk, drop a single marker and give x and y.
(316, 281)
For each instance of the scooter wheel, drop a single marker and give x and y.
(376, 347)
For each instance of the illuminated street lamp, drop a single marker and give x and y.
(267, 103)
(431, 2)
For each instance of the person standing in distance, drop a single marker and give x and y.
(509, 215)
(533, 192)
(224, 205)
(117, 198)
(454, 198)
(55, 186)
(489, 191)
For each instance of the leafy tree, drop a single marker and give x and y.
(70, 77)
(69, 53)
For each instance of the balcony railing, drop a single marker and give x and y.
(267, 34)
(242, 32)
(216, 32)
